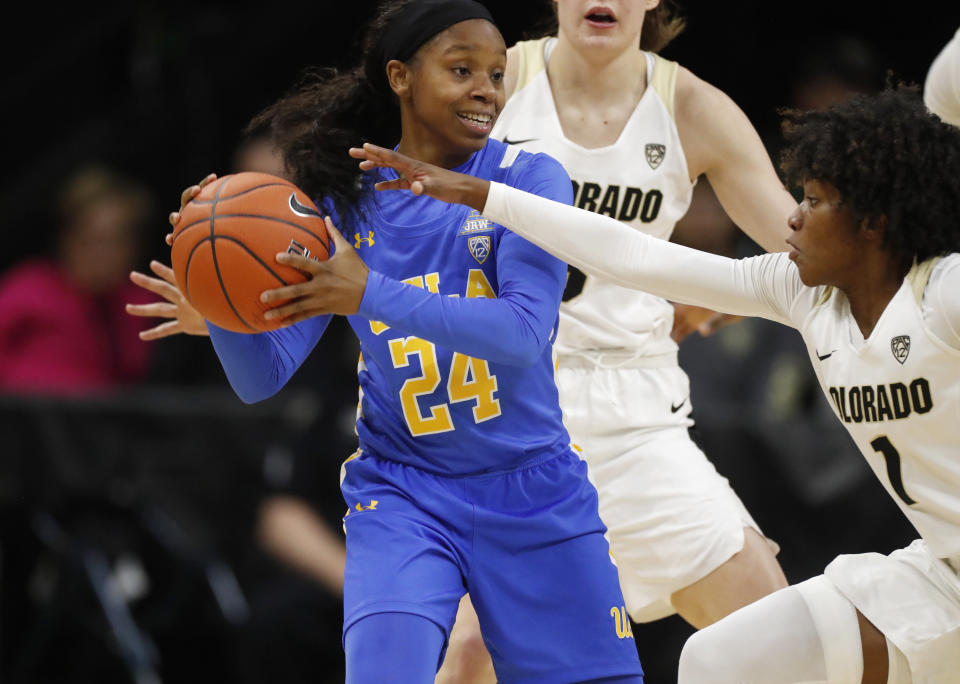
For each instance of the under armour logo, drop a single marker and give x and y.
(357, 240)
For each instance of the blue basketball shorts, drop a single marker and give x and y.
(527, 543)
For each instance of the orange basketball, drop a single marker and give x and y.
(226, 241)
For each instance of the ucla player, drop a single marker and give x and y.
(635, 131)
(465, 479)
(870, 282)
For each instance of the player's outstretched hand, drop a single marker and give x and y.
(186, 319)
(334, 286)
(185, 197)
(688, 318)
(422, 178)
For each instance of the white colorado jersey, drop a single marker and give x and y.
(641, 180)
(897, 392)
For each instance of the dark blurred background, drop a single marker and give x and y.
(133, 541)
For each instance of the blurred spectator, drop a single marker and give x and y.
(63, 328)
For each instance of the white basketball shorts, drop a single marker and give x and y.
(671, 518)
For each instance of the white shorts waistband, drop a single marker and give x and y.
(615, 360)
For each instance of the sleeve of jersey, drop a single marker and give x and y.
(259, 365)
(766, 286)
(516, 326)
(941, 88)
(941, 304)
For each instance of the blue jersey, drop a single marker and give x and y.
(456, 329)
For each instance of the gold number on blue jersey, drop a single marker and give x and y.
(469, 379)
(401, 349)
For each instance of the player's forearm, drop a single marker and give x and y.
(604, 247)
(257, 366)
(498, 330)
(295, 534)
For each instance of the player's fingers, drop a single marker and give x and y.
(153, 310)
(339, 242)
(297, 306)
(209, 178)
(160, 287)
(279, 294)
(188, 195)
(160, 331)
(164, 271)
(301, 263)
(172, 219)
(396, 184)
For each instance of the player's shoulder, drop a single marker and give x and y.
(694, 96)
(516, 167)
(525, 59)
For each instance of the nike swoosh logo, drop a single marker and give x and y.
(508, 141)
(825, 356)
(674, 409)
(300, 209)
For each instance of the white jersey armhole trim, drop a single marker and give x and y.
(510, 156)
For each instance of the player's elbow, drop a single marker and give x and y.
(250, 392)
(524, 352)
(250, 395)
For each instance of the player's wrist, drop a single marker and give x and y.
(472, 191)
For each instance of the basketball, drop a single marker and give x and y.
(226, 241)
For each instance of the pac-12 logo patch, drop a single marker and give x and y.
(900, 346)
(479, 247)
(655, 153)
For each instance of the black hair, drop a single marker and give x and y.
(328, 111)
(660, 25)
(890, 159)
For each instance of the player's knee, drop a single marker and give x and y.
(467, 658)
(701, 657)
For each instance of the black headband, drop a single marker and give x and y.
(420, 20)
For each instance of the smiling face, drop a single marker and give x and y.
(827, 243)
(451, 92)
(603, 24)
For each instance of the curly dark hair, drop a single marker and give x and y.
(660, 25)
(328, 111)
(889, 158)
